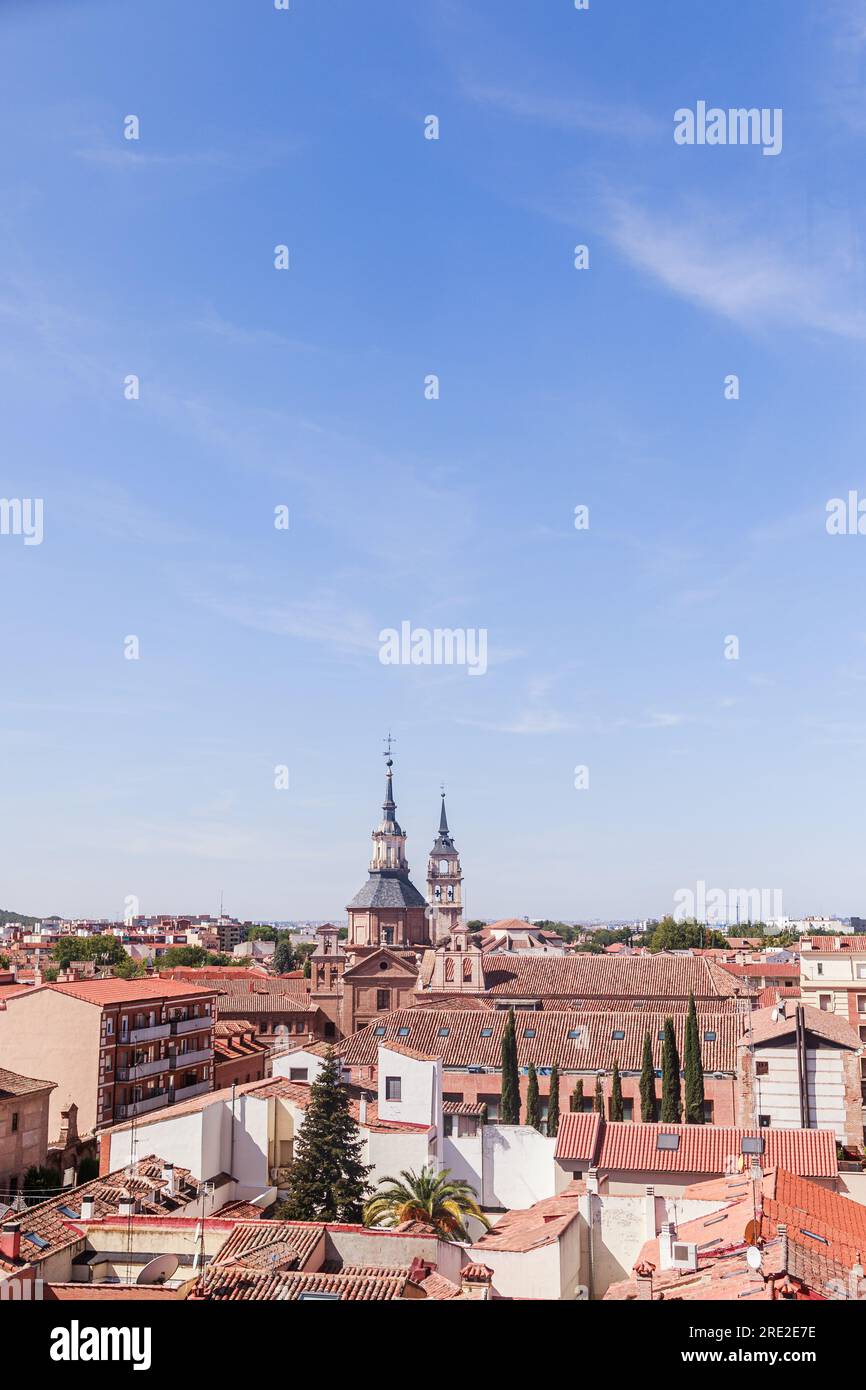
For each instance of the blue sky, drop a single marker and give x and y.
(259, 647)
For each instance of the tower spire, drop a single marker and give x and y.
(443, 819)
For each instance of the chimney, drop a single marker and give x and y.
(591, 1178)
(650, 1228)
(10, 1240)
(476, 1282)
(168, 1178)
(667, 1236)
(644, 1276)
(87, 1207)
(126, 1205)
(362, 1108)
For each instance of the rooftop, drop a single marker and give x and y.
(541, 1224)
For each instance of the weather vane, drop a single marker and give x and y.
(389, 740)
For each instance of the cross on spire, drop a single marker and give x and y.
(389, 740)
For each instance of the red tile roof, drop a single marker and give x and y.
(270, 1245)
(594, 1049)
(623, 1147)
(577, 976)
(541, 1224)
(11, 1084)
(838, 1222)
(235, 1285)
(821, 1023)
(115, 991)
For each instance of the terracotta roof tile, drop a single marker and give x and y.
(634, 1148)
(541, 1224)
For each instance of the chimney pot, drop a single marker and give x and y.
(10, 1240)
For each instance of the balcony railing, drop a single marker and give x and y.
(187, 1092)
(190, 1059)
(132, 1073)
(155, 1101)
(188, 1025)
(159, 1030)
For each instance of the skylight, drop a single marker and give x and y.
(487, 1032)
(753, 1146)
(668, 1141)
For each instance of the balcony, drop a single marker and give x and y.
(155, 1101)
(141, 1069)
(190, 1059)
(137, 1035)
(179, 1026)
(187, 1092)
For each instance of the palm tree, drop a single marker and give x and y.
(437, 1199)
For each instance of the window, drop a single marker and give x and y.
(402, 1032)
(383, 999)
(668, 1141)
(824, 1002)
(708, 1112)
(628, 1111)
(819, 968)
(487, 1032)
(661, 1035)
(861, 1003)
(393, 1088)
(492, 1104)
(574, 1032)
(764, 1121)
(762, 1068)
(298, 1073)
(443, 1032)
(617, 1034)
(529, 1032)
(379, 1032)
(709, 1036)
(752, 1146)
(14, 1121)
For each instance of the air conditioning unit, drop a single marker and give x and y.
(684, 1255)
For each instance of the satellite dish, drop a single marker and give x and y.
(158, 1270)
(751, 1233)
(753, 1257)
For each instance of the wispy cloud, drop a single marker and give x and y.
(615, 119)
(740, 275)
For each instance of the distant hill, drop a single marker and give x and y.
(17, 917)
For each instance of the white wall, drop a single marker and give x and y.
(508, 1165)
(202, 1142)
(420, 1100)
(299, 1058)
(777, 1093)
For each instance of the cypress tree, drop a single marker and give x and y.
(533, 1105)
(327, 1180)
(693, 1067)
(616, 1111)
(649, 1107)
(671, 1097)
(553, 1104)
(598, 1098)
(576, 1102)
(509, 1105)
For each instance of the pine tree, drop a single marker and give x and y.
(694, 1068)
(509, 1104)
(598, 1098)
(553, 1104)
(616, 1110)
(533, 1105)
(671, 1097)
(649, 1106)
(576, 1102)
(327, 1180)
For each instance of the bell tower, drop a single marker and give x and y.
(444, 883)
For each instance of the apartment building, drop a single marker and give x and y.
(118, 1048)
(833, 977)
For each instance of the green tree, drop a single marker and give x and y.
(533, 1104)
(672, 935)
(576, 1102)
(671, 1096)
(88, 1169)
(616, 1109)
(693, 1068)
(649, 1107)
(509, 1104)
(38, 1183)
(598, 1098)
(103, 950)
(190, 957)
(553, 1104)
(128, 969)
(284, 956)
(327, 1180)
(436, 1199)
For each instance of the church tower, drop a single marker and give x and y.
(444, 883)
(389, 910)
